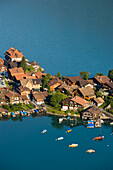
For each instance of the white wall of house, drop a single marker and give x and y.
(64, 108)
(16, 59)
(89, 85)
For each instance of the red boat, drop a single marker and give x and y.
(99, 138)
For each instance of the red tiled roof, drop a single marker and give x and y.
(102, 79)
(79, 100)
(16, 71)
(14, 53)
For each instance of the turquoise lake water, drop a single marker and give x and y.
(62, 35)
(23, 147)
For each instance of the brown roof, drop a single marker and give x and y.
(68, 88)
(55, 81)
(2, 110)
(80, 101)
(75, 79)
(12, 94)
(40, 96)
(102, 79)
(16, 71)
(88, 91)
(24, 97)
(21, 89)
(14, 53)
(110, 84)
(98, 100)
(85, 82)
(1, 61)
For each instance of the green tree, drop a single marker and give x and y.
(57, 98)
(59, 75)
(110, 74)
(48, 87)
(85, 74)
(31, 68)
(99, 74)
(6, 107)
(23, 64)
(46, 80)
(99, 94)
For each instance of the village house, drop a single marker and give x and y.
(15, 72)
(86, 93)
(23, 90)
(86, 83)
(13, 55)
(1, 61)
(72, 80)
(3, 69)
(54, 83)
(101, 80)
(39, 97)
(91, 113)
(98, 101)
(31, 83)
(109, 86)
(13, 64)
(40, 74)
(2, 99)
(13, 98)
(74, 104)
(25, 99)
(64, 88)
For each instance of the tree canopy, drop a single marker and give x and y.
(59, 75)
(85, 74)
(99, 74)
(57, 98)
(23, 64)
(110, 74)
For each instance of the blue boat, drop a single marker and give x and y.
(90, 124)
(36, 111)
(68, 117)
(21, 113)
(12, 114)
(25, 113)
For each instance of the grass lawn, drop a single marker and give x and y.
(53, 110)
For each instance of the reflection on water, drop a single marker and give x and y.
(55, 121)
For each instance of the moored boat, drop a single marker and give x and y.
(98, 138)
(60, 138)
(44, 131)
(90, 151)
(73, 145)
(90, 124)
(111, 123)
(60, 120)
(69, 130)
(12, 114)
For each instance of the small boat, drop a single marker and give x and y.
(60, 120)
(111, 123)
(69, 130)
(90, 124)
(25, 113)
(98, 138)
(73, 145)
(36, 111)
(102, 121)
(60, 138)
(12, 114)
(21, 113)
(90, 151)
(44, 131)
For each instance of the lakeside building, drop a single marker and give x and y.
(31, 83)
(74, 104)
(13, 55)
(15, 71)
(54, 83)
(39, 97)
(72, 80)
(101, 80)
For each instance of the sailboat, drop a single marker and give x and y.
(100, 137)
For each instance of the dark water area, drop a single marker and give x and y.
(61, 35)
(23, 147)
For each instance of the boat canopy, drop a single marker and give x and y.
(36, 111)
(12, 113)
